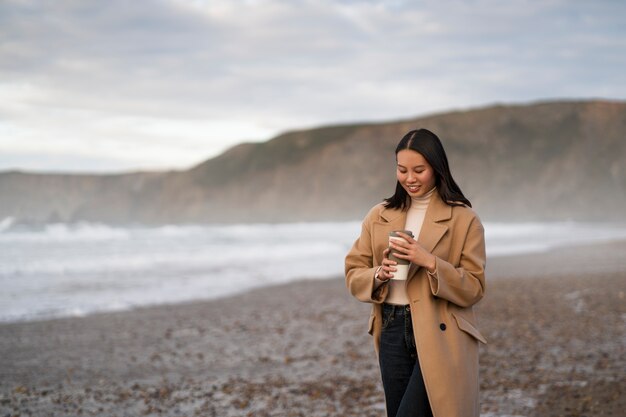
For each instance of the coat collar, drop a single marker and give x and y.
(432, 228)
(437, 211)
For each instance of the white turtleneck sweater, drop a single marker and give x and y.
(414, 220)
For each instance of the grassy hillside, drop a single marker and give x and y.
(544, 161)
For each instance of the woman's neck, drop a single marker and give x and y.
(422, 201)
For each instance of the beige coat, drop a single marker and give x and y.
(443, 319)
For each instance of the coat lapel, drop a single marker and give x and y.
(390, 220)
(394, 218)
(432, 230)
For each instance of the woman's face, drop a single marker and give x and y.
(414, 173)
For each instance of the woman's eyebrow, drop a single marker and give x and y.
(416, 166)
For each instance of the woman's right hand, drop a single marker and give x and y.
(388, 267)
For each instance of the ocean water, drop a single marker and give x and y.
(73, 270)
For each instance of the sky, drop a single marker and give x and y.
(119, 86)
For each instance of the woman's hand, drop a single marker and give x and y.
(387, 268)
(413, 252)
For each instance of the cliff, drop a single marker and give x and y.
(543, 161)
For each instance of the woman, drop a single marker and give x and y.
(424, 327)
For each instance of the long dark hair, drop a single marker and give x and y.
(428, 144)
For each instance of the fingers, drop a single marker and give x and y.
(401, 255)
(402, 243)
(388, 268)
(407, 252)
(389, 265)
(406, 237)
(402, 247)
(383, 276)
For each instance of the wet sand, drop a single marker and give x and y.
(556, 325)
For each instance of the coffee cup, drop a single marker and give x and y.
(403, 264)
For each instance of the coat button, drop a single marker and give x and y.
(442, 326)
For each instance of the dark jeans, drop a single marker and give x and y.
(405, 392)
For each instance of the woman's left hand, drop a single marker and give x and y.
(412, 251)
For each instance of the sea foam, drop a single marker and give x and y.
(77, 269)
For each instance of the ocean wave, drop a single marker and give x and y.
(6, 223)
(74, 269)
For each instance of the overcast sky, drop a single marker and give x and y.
(118, 85)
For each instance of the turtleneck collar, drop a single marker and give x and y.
(422, 202)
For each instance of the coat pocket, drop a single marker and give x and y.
(469, 328)
(370, 325)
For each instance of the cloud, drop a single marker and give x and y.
(181, 80)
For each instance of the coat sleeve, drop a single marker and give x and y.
(463, 285)
(360, 268)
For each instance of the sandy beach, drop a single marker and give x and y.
(555, 322)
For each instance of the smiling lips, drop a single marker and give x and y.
(413, 188)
